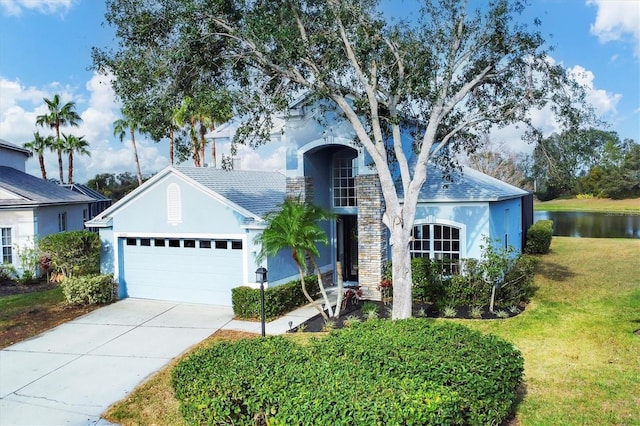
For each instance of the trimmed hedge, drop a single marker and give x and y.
(278, 300)
(89, 289)
(378, 372)
(539, 237)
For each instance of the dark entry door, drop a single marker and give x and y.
(347, 247)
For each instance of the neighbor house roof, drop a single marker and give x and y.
(465, 185)
(258, 192)
(13, 147)
(31, 191)
(89, 192)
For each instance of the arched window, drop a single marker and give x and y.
(174, 204)
(437, 241)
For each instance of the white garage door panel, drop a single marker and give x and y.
(195, 275)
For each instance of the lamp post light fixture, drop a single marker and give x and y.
(261, 277)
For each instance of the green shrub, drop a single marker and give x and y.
(518, 286)
(389, 372)
(539, 237)
(277, 300)
(72, 252)
(89, 289)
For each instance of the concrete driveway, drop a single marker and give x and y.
(73, 373)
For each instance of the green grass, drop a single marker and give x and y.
(11, 306)
(592, 205)
(577, 335)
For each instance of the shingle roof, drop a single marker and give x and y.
(256, 191)
(14, 147)
(468, 185)
(35, 191)
(89, 192)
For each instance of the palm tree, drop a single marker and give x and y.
(120, 128)
(295, 226)
(59, 115)
(74, 144)
(37, 146)
(185, 115)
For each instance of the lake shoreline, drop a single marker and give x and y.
(602, 205)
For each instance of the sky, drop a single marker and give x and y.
(45, 49)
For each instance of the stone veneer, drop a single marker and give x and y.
(372, 235)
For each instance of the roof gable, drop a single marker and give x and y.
(255, 191)
(32, 191)
(251, 193)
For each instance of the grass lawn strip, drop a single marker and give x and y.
(577, 338)
(604, 205)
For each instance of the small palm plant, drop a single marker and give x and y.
(295, 226)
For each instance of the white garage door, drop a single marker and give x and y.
(181, 269)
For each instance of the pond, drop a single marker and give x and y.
(593, 225)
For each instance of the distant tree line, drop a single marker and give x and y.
(114, 186)
(594, 162)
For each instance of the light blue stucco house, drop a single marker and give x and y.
(188, 233)
(32, 208)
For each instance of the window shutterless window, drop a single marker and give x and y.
(6, 244)
(438, 242)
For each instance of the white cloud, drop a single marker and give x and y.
(603, 102)
(16, 7)
(617, 20)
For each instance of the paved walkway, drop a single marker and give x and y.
(71, 374)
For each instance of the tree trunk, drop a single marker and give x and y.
(306, 293)
(203, 141)
(327, 304)
(213, 153)
(43, 170)
(135, 155)
(402, 281)
(340, 289)
(60, 168)
(171, 146)
(70, 180)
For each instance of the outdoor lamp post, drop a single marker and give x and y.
(261, 277)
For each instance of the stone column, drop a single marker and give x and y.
(372, 235)
(300, 187)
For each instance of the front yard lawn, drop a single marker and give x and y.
(578, 337)
(25, 313)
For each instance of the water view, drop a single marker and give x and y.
(594, 225)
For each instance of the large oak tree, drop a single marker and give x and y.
(445, 77)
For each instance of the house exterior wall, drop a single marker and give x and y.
(372, 234)
(474, 217)
(22, 224)
(14, 159)
(47, 218)
(506, 223)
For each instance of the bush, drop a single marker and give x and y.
(539, 237)
(389, 372)
(89, 289)
(277, 300)
(72, 252)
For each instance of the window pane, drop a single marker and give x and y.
(236, 245)
(145, 242)
(131, 241)
(221, 244)
(158, 242)
(205, 244)
(174, 243)
(189, 243)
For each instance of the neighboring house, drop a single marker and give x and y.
(31, 208)
(99, 204)
(188, 233)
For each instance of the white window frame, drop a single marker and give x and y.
(62, 222)
(343, 180)
(6, 233)
(438, 254)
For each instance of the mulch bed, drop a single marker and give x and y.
(11, 288)
(424, 310)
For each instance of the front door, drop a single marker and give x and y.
(347, 247)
